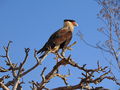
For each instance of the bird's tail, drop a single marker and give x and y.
(42, 55)
(42, 52)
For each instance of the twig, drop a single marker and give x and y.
(16, 84)
(4, 70)
(69, 47)
(37, 64)
(63, 77)
(42, 74)
(50, 75)
(3, 86)
(8, 61)
(21, 64)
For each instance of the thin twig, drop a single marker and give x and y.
(37, 64)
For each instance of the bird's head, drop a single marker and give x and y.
(70, 22)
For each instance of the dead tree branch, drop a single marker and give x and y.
(109, 14)
(37, 64)
(86, 80)
(18, 71)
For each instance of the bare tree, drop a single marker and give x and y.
(110, 16)
(17, 72)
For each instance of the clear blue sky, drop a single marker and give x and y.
(29, 23)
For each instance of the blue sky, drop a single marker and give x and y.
(29, 23)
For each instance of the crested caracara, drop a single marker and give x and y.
(60, 39)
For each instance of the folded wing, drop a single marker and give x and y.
(58, 40)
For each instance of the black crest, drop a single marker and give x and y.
(69, 20)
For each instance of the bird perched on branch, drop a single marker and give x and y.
(60, 39)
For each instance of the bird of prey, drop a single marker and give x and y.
(60, 39)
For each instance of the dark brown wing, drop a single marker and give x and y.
(61, 37)
(68, 37)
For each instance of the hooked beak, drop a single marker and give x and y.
(75, 24)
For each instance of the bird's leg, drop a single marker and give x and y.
(57, 57)
(63, 52)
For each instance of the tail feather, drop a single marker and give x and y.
(41, 56)
(43, 52)
(46, 52)
(40, 51)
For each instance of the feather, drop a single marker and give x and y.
(58, 40)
